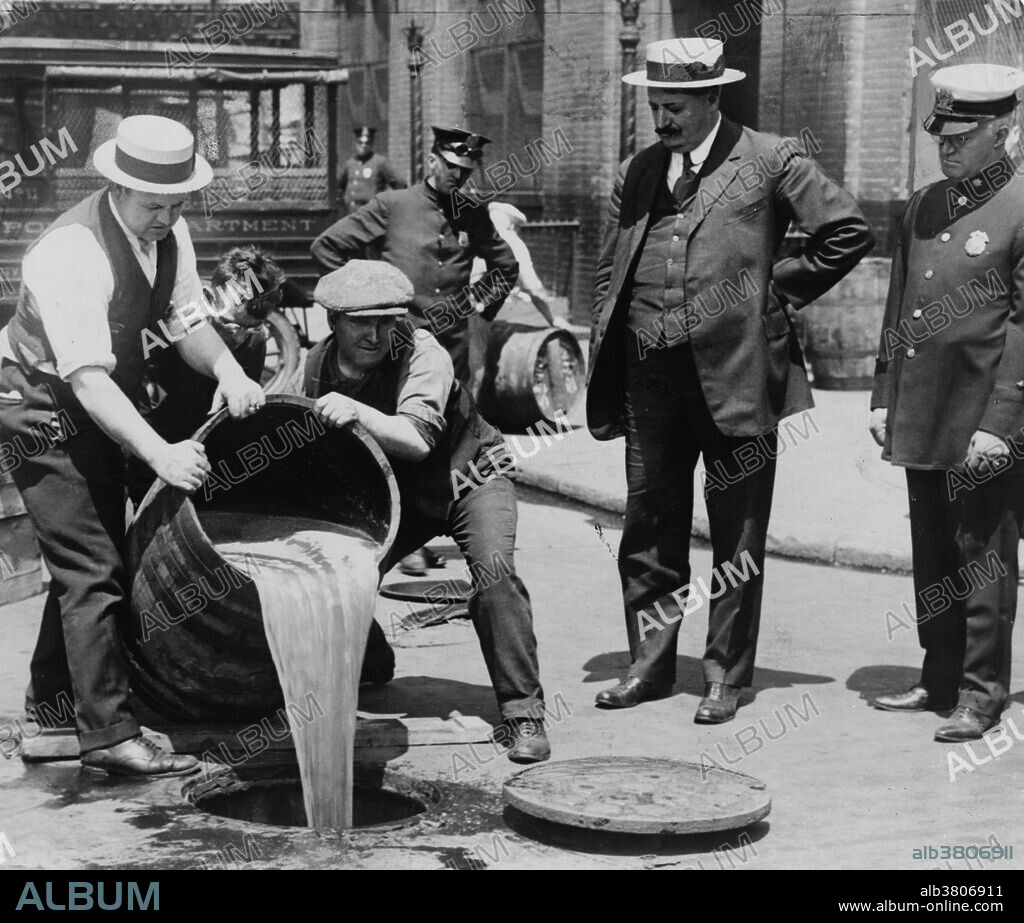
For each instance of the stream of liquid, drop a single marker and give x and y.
(317, 583)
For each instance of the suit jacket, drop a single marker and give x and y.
(951, 355)
(752, 185)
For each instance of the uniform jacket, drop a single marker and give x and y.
(361, 180)
(951, 351)
(751, 186)
(433, 240)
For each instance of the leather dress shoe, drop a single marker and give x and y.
(432, 558)
(414, 565)
(630, 692)
(916, 698)
(140, 758)
(718, 705)
(965, 723)
(527, 741)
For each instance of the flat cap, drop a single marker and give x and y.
(458, 146)
(365, 288)
(968, 94)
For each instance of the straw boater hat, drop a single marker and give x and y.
(684, 64)
(153, 154)
(968, 94)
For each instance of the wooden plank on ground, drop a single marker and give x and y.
(215, 739)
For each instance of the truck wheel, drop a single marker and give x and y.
(280, 370)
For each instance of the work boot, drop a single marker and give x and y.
(526, 740)
(139, 758)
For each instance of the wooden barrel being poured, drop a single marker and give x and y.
(289, 527)
(195, 639)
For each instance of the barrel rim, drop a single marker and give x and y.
(305, 403)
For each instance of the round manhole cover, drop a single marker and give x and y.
(452, 590)
(627, 794)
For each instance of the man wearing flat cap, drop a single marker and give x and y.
(948, 400)
(448, 462)
(693, 353)
(432, 232)
(365, 173)
(97, 285)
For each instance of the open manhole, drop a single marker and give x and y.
(385, 801)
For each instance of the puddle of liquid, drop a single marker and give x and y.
(317, 583)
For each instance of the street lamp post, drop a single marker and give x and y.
(414, 41)
(629, 38)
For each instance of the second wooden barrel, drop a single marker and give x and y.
(842, 328)
(194, 639)
(530, 374)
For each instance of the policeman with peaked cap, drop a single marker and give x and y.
(948, 400)
(432, 232)
(366, 173)
(448, 462)
(100, 287)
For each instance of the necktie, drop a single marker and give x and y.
(681, 187)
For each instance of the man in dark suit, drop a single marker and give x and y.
(693, 352)
(948, 402)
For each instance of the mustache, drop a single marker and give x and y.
(666, 131)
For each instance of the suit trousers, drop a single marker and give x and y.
(482, 521)
(74, 491)
(965, 582)
(668, 427)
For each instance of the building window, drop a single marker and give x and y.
(505, 103)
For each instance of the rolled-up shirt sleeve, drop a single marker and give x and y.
(424, 385)
(69, 277)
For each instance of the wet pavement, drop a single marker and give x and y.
(851, 787)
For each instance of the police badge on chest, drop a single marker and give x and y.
(976, 243)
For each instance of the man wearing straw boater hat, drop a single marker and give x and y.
(96, 286)
(693, 353)
(948, 401)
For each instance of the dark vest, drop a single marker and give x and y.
(424, 485)
(659, 283)
(134, 307)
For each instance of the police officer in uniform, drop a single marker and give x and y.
(96, 285)
(948, 399)
(448, 462)
(432, 232)
(366, 173)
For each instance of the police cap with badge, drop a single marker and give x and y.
(968, 95)
(458, 146)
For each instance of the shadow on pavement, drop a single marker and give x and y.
(690, 676)
(881, 679)
(428, 697)
(650, 846)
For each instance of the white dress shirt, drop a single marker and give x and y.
(697, 156)
(72, 283)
